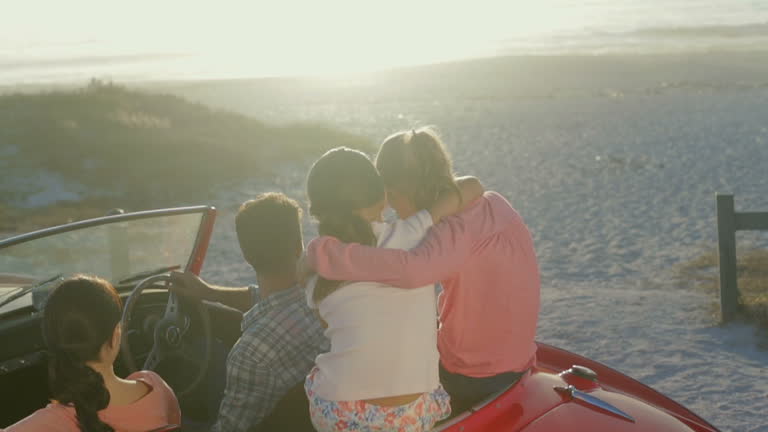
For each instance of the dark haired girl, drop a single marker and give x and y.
(81, 326)
(382, 370)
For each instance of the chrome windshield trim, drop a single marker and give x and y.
(104, 220)
(593, 401)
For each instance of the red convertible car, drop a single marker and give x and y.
(177, 336)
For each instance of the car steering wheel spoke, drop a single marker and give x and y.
(171, 335)
(172, 307)
(153, 360)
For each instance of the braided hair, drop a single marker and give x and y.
(79, 318)
(339, 184)
(416, 164)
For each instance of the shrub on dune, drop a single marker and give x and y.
(152, 146)
(752, 272)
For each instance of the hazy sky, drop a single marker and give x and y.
(317, 36)
(173, 19)
(329, 34)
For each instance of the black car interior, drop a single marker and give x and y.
(184, 340)
(23, 373)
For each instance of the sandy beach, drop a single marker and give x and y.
(614, 163)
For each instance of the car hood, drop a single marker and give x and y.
(584, 405)
(543, 401)
(603, 410)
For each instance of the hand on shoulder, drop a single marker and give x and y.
(449, 202)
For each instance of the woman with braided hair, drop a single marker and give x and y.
(382, 370)
(81, 327)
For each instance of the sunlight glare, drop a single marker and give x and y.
(291, 36)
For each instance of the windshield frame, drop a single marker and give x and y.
(196, 258)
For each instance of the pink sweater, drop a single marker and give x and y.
(484, 259)
(157, 409)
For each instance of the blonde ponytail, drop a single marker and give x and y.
(417, 164)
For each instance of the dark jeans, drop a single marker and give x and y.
(466, 391)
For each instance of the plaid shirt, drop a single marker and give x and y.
(281, 338)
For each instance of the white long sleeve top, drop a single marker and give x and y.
(383, 339)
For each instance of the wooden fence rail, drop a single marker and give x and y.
(728, 222)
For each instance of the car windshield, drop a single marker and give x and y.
(116, 249)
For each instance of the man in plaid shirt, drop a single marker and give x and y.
(281, 335)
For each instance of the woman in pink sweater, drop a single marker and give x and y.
(490, 302)
(81, 326)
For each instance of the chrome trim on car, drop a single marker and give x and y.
(72, 226)
(583, 372)
(594, 401)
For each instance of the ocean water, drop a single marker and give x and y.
(74, 41)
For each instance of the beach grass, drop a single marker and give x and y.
(137, 150)
(752, 276)
(148, 146)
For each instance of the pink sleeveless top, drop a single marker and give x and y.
(157, 409)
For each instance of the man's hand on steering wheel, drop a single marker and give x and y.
(190, 285)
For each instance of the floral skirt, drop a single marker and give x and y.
(337, 416)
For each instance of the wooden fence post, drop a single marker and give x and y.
(726, 242)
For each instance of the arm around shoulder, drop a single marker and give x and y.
(442, 252)
(449, 202)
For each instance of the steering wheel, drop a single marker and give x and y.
(169, 335)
